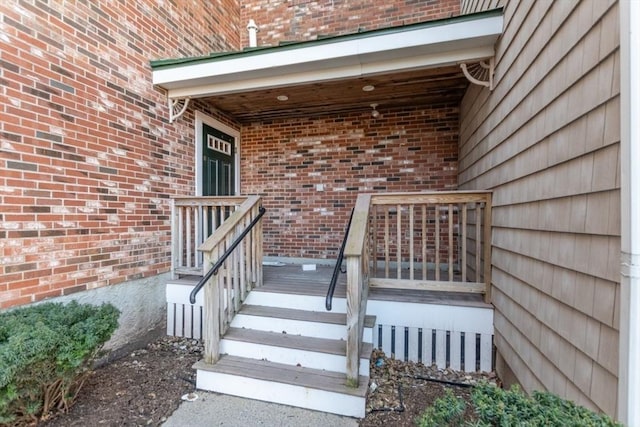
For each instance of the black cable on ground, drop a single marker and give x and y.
(435, 380)
(189, 380)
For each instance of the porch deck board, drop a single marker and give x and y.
(291, 278)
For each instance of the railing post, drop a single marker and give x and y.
(174, 239)
(259, 252)
(487, 249)
(357, 284)
(211, 327)
(354, 289)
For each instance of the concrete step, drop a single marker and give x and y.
(296, 350)
(316, 389)
(318, 324)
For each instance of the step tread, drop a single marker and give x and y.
(302, 315)
(277, 372)
(278, 339)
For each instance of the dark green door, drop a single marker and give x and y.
(218, 165)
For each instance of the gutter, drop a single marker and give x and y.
(629, 335)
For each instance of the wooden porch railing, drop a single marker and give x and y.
(225, 292)
(193, 220)
(436, 241)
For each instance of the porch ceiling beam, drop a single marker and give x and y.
(462, 40)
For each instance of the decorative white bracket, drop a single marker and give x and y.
(177, 107)
(480, 73)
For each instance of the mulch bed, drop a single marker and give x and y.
(144, 387)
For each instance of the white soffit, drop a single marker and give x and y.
(462, 40)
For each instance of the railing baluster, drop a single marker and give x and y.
(374, 238)
(235, 276)
(244, 289)
(180, 237)
(227, 275)
(478, 241)
(424, 242)
(411, 243)
(188, 232)
(386, 242)
(463, 235)
(399, 242)
(199, 233)
(437, 260)
(450, 242)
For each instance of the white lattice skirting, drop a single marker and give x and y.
(466, 351)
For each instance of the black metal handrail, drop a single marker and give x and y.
(214, 270)
(336, 269)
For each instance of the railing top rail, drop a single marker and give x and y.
(431, 197)
(358, 229)
(208, 200)
(228, 225)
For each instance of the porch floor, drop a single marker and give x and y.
(291, 278)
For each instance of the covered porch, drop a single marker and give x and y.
(415, 284)
(313, 130)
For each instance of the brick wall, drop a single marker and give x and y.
(88, 161)
(287, 20)
(309, 171)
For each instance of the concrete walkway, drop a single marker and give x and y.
(212, 409)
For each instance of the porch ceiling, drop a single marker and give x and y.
(415, 88)
(407, 66)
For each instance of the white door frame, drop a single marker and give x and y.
(210, 121)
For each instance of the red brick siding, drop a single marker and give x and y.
(288, 20)
(88, 161)
(285, 161)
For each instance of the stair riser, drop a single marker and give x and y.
(296, 327)
(294, 357)
(302, 397)
(299, 302)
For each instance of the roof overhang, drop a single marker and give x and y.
(432, 44)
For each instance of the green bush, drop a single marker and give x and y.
(494, 406)
(46, 352)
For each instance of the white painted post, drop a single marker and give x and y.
(629, 369)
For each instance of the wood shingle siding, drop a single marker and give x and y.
(547, 142)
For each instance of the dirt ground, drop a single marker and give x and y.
(146, 386)
(140, 389)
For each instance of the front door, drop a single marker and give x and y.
(218, 165)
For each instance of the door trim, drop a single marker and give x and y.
(201, 119)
